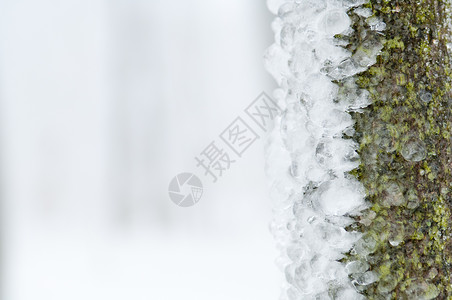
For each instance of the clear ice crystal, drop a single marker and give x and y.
(363, 12)
(420, 289)
(376, 24)
(425, 96)
(366, 278)
(287, 36)
(351, 98)
(335, 22)
(338, 197)
(393, 195)
(396, 234)
(387, 284)
(365, 246)
(414, 150)
(357, 267)
(366, 55)
(412, 200)
(353, 3)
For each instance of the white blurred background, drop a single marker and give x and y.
(102, 102)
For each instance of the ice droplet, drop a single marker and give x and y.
(366, 278)
(340, 196)
(432, 273)
(353, 3)
(425, 96)
(387, 284)
(412, 200)
(280, 70)
(414, 150)
(335, 21)
(393, 196)
(366, 54)
(273, 5)
(344, 69)
(357, 266)
(363, 12)
(419, 289)
(351, 97)
(384, 138)
(376, 24)
(396, 234)
(287, 36)
(367, 218)
(365, 246)
(286, 9)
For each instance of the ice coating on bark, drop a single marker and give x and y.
(308, 152)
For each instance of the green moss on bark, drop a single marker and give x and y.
(405, 147)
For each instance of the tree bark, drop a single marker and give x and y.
(405, 149)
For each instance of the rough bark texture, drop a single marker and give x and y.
(405, 147)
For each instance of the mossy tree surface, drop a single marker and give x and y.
(405, 148)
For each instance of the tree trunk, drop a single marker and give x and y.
(405, 149)
(397, 57)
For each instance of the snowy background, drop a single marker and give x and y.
(101, 104)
